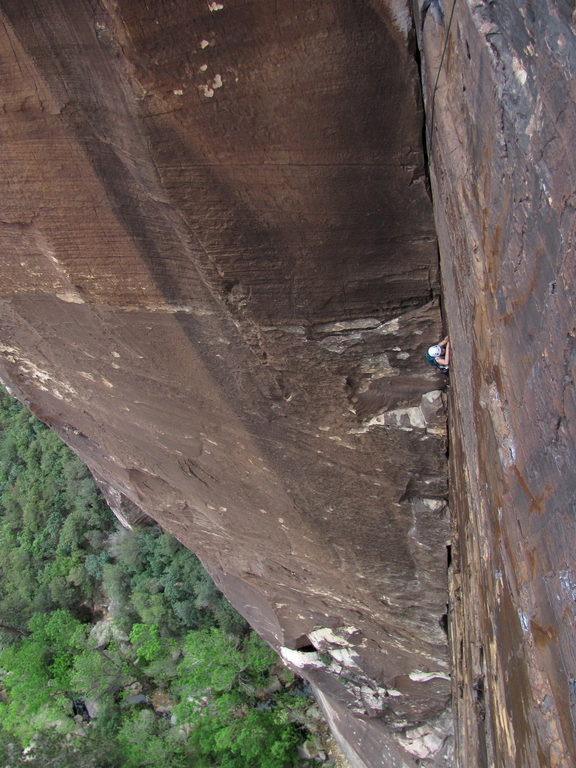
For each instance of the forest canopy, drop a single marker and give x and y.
(116, 648)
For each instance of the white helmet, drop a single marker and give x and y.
(435, 350)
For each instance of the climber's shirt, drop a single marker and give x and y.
(433, 362)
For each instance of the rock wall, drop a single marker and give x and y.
(218, 276)
(501, 133)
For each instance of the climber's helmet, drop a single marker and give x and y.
(435, 350)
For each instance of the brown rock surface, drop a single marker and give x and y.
(218, 279)
(504, 180)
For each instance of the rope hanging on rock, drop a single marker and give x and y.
(431, 131)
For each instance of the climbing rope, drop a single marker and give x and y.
(431, 131)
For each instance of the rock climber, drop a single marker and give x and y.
(438, 355)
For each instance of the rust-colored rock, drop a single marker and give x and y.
(218, 277)
(504, 179)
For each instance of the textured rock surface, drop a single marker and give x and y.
(128, 514)
(218, 277)
(504, 178)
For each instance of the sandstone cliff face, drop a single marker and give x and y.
(218, 277)
(504, 179)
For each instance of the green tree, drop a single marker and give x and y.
(145, 740)
(212, 662)
(51, 517)
(184, 646)
(37, 674)
(228, 726)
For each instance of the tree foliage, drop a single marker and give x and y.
(96, 621)
(51, 515)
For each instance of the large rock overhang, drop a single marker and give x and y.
(219, 274)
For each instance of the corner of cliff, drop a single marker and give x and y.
(501, 127)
